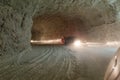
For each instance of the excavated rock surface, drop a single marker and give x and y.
(105, 33)
(15, 25)
(92, 12)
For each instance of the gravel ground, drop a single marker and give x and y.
(57, 62)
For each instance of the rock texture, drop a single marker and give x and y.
(93, 12)
(15, 25)
(104, 33)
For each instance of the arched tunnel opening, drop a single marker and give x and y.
(56, 26)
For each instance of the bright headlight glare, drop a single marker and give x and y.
(77, 43)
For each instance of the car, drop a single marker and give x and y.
(69, 40)
(72, 40)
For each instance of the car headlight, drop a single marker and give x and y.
(77, 43)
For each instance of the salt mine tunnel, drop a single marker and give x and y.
(94, 21)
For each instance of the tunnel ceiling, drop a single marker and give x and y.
(91, 12)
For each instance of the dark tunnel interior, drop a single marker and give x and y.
(56, 26)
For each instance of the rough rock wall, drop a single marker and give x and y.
(56, 26)
(92, 12)
(15, 25)
(104, 33)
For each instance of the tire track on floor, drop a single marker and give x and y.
(33, 66)
(13, 70)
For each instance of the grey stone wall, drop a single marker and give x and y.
(91, 12)
(104, 33)
(15, 25)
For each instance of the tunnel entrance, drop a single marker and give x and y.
(56, 26)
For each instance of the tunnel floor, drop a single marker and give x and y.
(57, 63)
